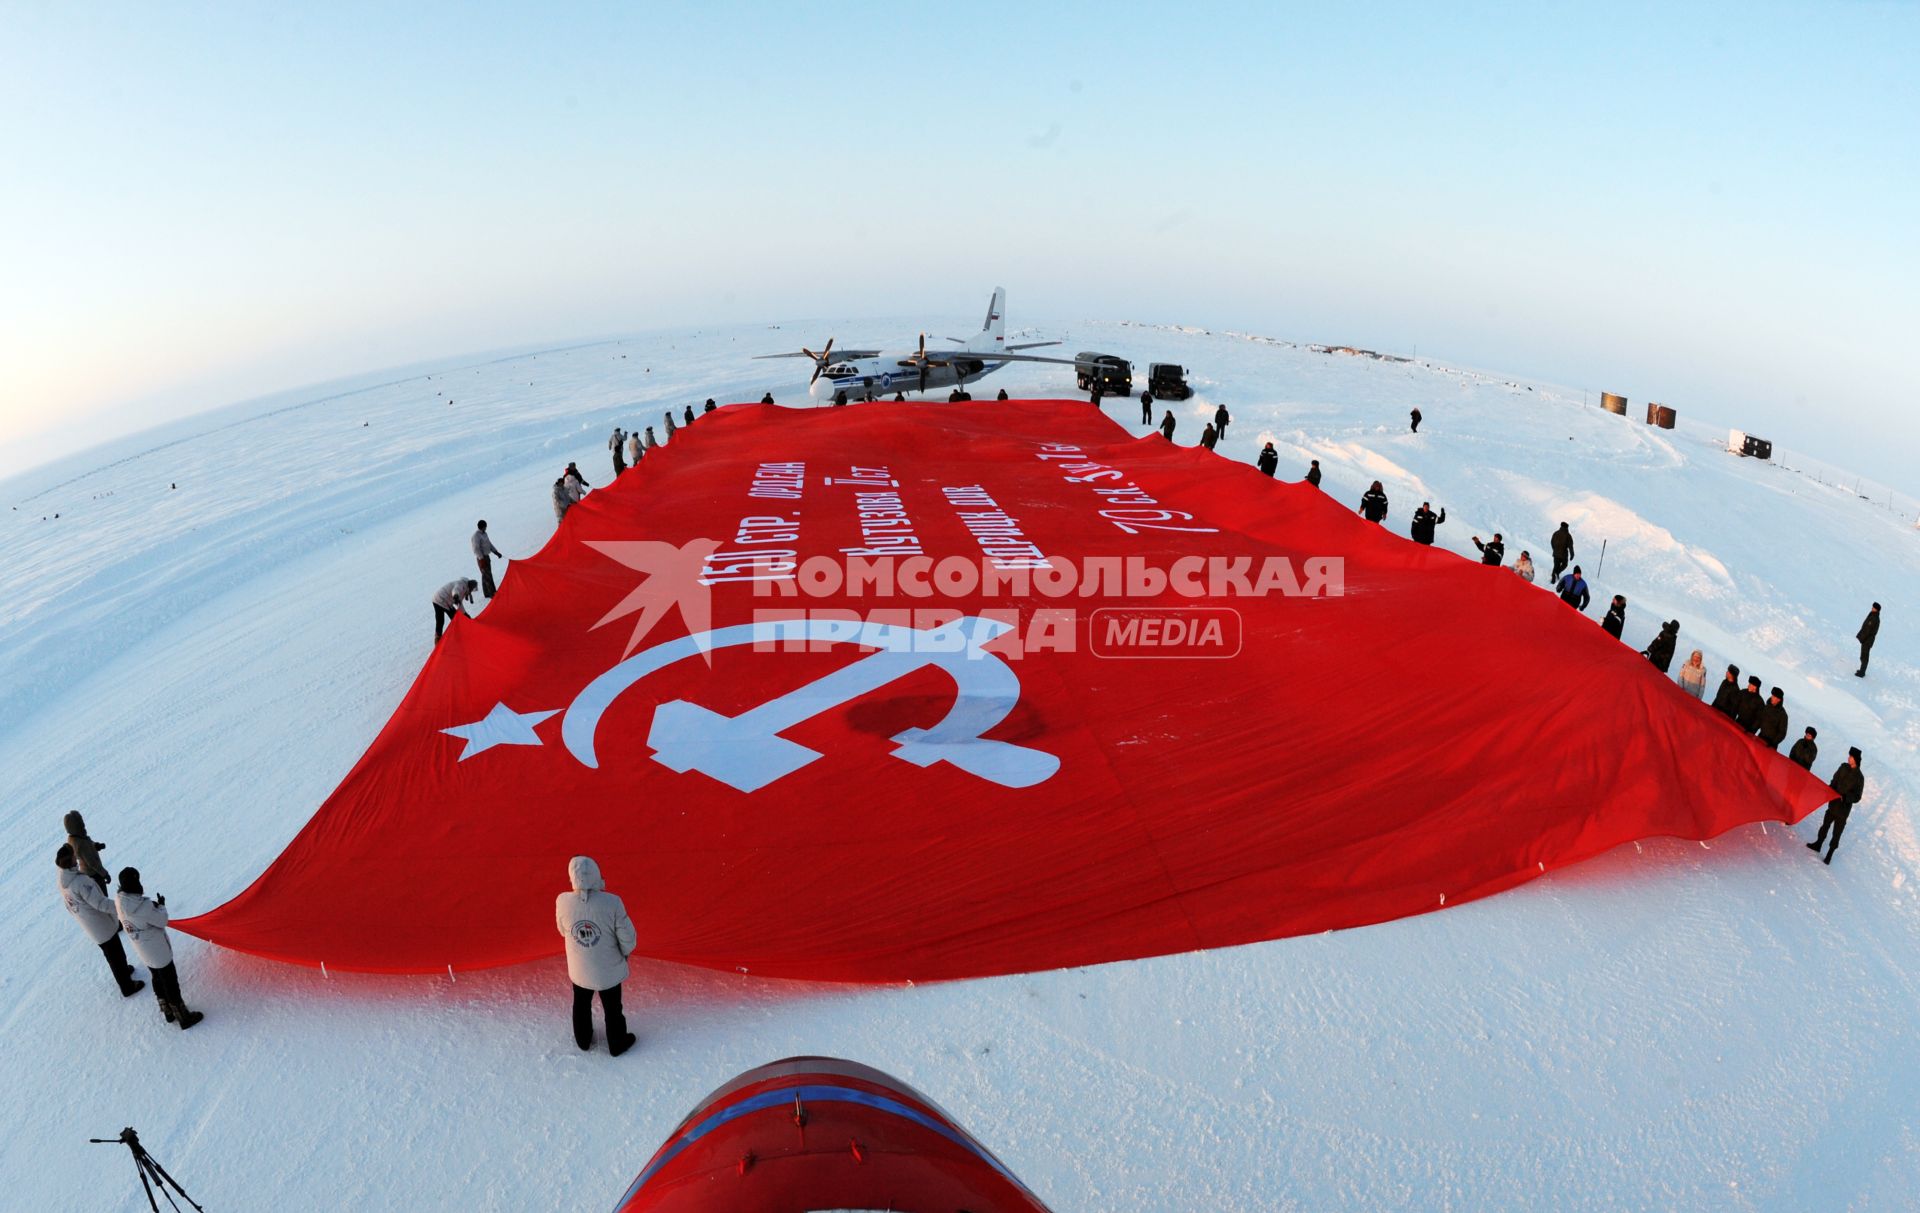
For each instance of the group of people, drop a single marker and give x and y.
(629, 447)
(598, 932)
(129, 911)
(1210, 434)
(570, 487)
(1764, 718)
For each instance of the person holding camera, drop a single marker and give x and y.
(145, 922)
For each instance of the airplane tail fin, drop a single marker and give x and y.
(993, 334)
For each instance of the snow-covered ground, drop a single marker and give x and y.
(1674, 1025)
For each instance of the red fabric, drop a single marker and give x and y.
(1439, 732)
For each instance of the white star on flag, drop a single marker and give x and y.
(502, 726)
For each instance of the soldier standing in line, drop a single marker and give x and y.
(1851, 786)
(1616, 621)
(1868, 633)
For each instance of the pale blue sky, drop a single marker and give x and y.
(1715, 207)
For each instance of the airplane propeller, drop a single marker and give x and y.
(820, 360)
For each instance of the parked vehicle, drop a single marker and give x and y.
(1168, 381)
(1108, 374)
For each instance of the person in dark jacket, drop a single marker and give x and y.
(1660, 652)
(1493, 552)
(1868, 633)
(1373, 503)
(1562, 544)
(1416, 420)
(1001, 394)
(1726, 700)
(1146, 408)
(94, 911)
(1805, 750)
(86, 852)
(1313, 474)
(688, 415)
(1616, 620)
(483, 554)
(618, 445)
(1220, 419)
(1851, 786)
(767, 399)
(1424, 520)
(1746, 707)
(708, 407)
(1773, 720)
(1572, 589)
(1269, 461)
(1209, 436)
(1166, 425)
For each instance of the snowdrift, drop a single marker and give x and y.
(821, 1133)
(984, 779)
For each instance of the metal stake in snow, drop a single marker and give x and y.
(1603, 558)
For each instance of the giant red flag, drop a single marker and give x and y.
(918, 691)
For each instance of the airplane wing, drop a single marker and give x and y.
(982, 356)
(850, 355)
(1033, 345)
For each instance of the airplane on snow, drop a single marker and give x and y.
(869, 374)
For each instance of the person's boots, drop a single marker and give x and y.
(185, 1018)
(621, 1044)
(1814, 847)
(166, 1009)
(131, 986)
(1828, 859)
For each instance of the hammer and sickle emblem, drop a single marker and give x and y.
(747, 752)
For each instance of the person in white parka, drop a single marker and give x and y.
(146, 925)
(94, 912)
(450, 600)
(599, 937)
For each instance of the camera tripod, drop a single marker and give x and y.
(152, 1174)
